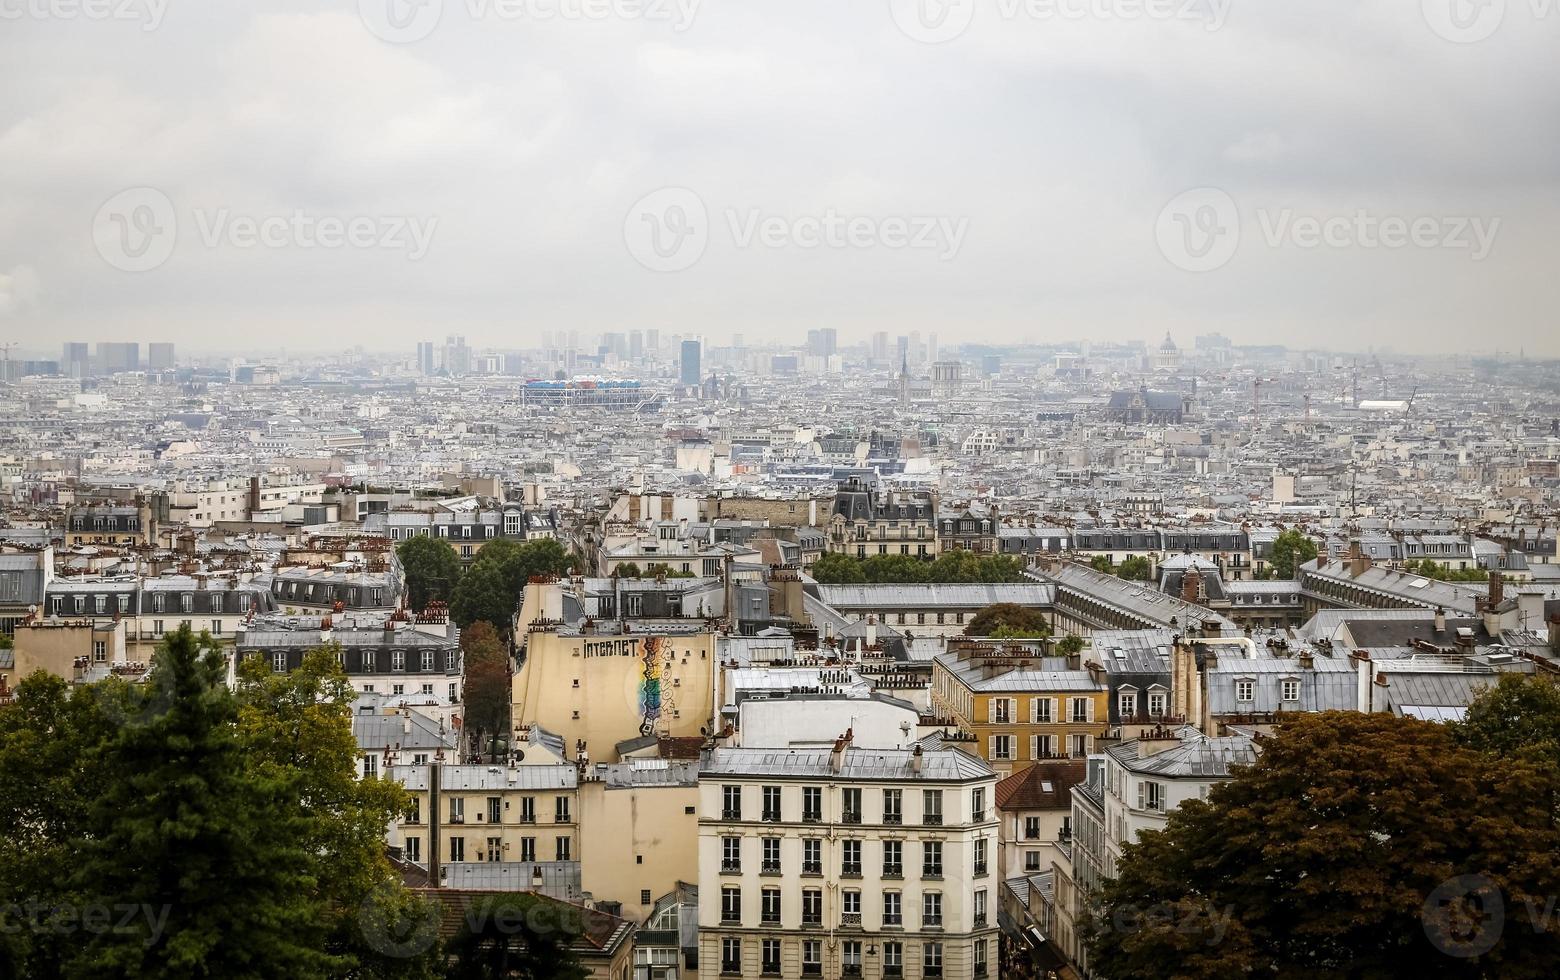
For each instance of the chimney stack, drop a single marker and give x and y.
(915, 759)
(1497, 588)
(1440, 620)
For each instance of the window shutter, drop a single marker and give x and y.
(991, 747)
(1034, 747)
(991, 710)
(1090, 709)
(1141, 799)
(1056, 707)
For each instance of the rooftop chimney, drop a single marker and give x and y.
(1440, 620)
(915, 759)
(1497, 588)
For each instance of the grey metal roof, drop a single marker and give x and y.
(971, 673)
(1197, 757)
(929, 597)
(859, 765)
(478, 778)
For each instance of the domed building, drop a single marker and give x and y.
(1168, 357)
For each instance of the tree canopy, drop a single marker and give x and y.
(491, 588)
(432, 570)
(1291, 549)
(1008, 620)
(1358, 845)
(1135, 568)
(487, 686)
(954, 565)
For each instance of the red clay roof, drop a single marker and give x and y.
(1026, 788)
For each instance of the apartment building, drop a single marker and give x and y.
(1020, 707)
(847, 862)
(870, 520)
(394, 657)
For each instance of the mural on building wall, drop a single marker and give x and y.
(650, 685)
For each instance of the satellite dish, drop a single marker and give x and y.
(519, 755)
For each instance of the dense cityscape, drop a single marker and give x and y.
(834, 660)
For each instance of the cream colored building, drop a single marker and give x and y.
(639, 832)
(74, 649)
(604, 688)
(847, 862)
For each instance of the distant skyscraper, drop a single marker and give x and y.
(426, 362)
(636, 344)
(688, 375)
(113, 358)
(736, 341)
(931, 348)
(880, 347)
(159, 357)
(653, 341)
(75, 361)
(457, 356)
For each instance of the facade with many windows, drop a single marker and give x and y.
(850, 862)
(396, 658)
(1020, 707)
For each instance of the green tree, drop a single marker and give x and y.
(1102, 563)
(217, 851)
(1517, 718)
(487, 687)
(1135, 568)
(432, 570)
(1069, 645)
(896, 568)
(1008, 620)
(660, 569)
(627, 569)
(518, 936)
(484, 595)
(837, 568)
(1357, 845)
(295, 735)
(1291, 549)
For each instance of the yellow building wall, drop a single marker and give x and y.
(637, 840)
(604, 689)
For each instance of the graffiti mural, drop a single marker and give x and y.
(650, 685)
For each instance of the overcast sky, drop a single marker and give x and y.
(234, 174)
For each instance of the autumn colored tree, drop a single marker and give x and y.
(1358, 845)
(488, 681)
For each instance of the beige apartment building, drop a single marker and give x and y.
(74, 649)
(639, 832)
(850, 862)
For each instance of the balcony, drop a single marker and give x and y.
(978, 816)
(769, 970)
(528, 818)
(850, 970)
(812, 920)
(980, 920)
(730, 918)
(850, 869)
(893, 970)
(932, 871)
(770, 919)
(457, 819)
(892, 919)
(812, 969)
(931, 922)
(893, 819)
(769, 816)
(893, 871)
(561, 818)
(815, 816)
(730, 814)
(850, 920)
(851, 816)
(731, 969)
(729, 867)
(980, 870)
(769, 868)
(931, 820)
(812, 868)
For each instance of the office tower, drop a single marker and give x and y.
(636, 344)
(615, 344)
(880, 347)
(426, 363)
(159, 357)
(75, 361)
(736, 341)
(653, 341)
(457, 356)
(113, 358)
(931, 348)
(689, 373)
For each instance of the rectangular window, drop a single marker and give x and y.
(893, 806)
(893, 859)
(1082, 710)
(528, 848)
(893, 959)
(1001, 747)
(931, 859)
(1151, 795)
(564, 848)
(850, 857)
(769, 964)
(771, 808)
(427, 660)
(771, 859)
(561, 809)
(980, 907)
(850, 799)
(414, 849)
(931, 910)
(495, 809)
(457, 848)
(931, 807)
(457, 809)
(731, 854)
(397, 659)
(812, 856)
(1291, 690)
(1042, 747)
(932, 960)
(731, 957)
(893, 912)
(495, 849)
(278, 662)
(980, 855)
(812, 804)
(1245, 691)
(812, 907)
(812, 958)
(528, 809)
(731, 803)
(1156, 704)
(770, 908)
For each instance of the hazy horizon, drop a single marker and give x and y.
(1346, 176)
